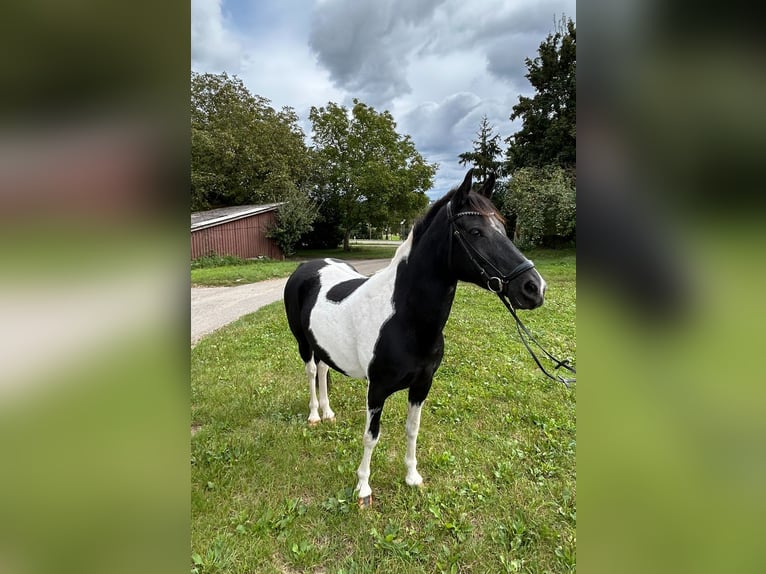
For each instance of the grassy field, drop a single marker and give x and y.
(496, 449)
(228, 271)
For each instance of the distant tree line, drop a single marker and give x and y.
(359, 173)
(537, 194)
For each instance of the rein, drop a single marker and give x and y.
(496, 284)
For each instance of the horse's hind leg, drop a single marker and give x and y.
(324, 399)
(311, 372)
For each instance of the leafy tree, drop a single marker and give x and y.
(294, 218)
(548, 133)
(485, 151)
(242, 150)
(544, 202)
(364, 168)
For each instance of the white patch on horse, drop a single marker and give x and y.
(412, 427)
(348, 330)
(363, 472)
(311, 372)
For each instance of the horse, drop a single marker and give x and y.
(387, 328)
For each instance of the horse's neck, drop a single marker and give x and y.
(428, 284)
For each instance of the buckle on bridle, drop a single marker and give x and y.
(500, 284)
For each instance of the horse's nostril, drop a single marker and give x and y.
(530, 287)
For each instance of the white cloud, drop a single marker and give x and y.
(215, 47)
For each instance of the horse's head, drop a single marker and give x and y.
(480, 251)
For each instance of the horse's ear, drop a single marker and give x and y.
(488, 187)
(461, 194)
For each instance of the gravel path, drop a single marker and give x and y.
(214, 307)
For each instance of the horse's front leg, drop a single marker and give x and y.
(417, 395)
(412, 427)
(369, 440)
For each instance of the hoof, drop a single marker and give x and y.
(313, 423)
(365, 502)
(329, 420)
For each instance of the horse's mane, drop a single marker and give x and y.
(476, 202)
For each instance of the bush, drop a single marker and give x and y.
(295, 217)
(543, 200)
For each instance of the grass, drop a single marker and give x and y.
(496, 449)
(356, 252)
(220, 271)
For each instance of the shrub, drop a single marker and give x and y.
(543, 200)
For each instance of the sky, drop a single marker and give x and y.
(437, 65)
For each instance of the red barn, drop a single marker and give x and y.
(239, 231)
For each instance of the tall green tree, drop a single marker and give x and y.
(365, 169)
(549, 118)
(242, 150)
(485, 154)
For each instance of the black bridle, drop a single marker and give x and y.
(497, 283)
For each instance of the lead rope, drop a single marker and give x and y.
(523, 331)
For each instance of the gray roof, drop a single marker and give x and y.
(211, 217)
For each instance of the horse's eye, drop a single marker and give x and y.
(475, 232)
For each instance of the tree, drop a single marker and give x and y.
(242, 150)
(549, 118)
(544, 202)
(485, 151)
(294, 218)
(364, 168)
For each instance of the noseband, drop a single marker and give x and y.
(497, 283)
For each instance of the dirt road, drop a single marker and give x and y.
(214, 307)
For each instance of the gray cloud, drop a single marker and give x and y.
(366, 46)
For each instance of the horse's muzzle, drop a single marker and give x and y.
(528, 291)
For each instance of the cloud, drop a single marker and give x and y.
(215, 46)
(371, 48)
(366, 46)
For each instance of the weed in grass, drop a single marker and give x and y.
(342, 502)
(392, 540)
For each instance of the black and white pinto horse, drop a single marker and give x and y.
(388, 328)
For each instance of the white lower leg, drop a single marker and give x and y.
(311, 371)
(413, 477)
(363, 472)
(324, 399)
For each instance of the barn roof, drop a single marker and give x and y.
(212, 217)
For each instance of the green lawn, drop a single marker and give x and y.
(228, 275)
(218, 272)
(223, 271)
(496, 449)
